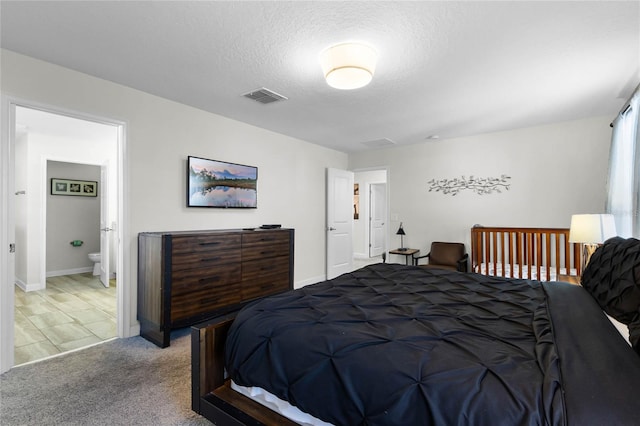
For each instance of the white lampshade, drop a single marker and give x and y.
(348, 66)
(591, 228)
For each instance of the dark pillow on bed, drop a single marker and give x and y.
(612, 277)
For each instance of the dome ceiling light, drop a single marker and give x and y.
(348, 66)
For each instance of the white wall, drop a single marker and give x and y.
(160, 136)
(556, 170)
(361, 226)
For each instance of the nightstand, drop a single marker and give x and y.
(571, 279)
(407, 252)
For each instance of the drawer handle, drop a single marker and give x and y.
(210, 243)
(210, 279)
(210, 259)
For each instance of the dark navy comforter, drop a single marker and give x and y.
(400, 345)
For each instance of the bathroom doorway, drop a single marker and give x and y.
(59, 304)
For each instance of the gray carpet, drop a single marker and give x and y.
(121, 382)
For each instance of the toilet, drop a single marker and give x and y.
(95, 258)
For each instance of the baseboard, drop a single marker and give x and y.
(29, 287)
(300, 284)
(134, 330)
(69, 271)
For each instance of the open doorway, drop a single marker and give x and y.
(66, 188)
(370, 216)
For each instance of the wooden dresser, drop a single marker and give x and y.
(189, 276)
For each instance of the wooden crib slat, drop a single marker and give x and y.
(494, 246)
(519, 244)
(547, 254)
(538, 254)
(511, 254)
(530, 252)
(559, 240)
(501, 238)
(487, 246)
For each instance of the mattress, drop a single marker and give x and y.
(392, 344)
(524, 272)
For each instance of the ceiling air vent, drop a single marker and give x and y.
(264, 96)
(379, 143)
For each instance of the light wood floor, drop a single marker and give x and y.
(72, 312)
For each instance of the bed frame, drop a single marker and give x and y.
(543, 251)
(211, 393)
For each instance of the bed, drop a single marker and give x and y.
(391, 344)
(542, 254)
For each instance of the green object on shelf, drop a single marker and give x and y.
(76, 243)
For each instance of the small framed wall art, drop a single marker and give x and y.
(82, 188)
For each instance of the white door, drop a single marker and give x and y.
(105, 229)
(339, 222)
(378, 218)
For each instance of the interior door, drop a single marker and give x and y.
(378, 218)
(105, 229)
(339, 222)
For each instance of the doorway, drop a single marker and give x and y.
(38, 137)
(371, 224)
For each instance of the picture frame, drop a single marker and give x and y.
(221, 184)
(80, 188)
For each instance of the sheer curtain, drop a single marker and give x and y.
(623, 187)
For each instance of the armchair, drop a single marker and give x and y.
(445, 256)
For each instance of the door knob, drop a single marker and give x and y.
(332, 229)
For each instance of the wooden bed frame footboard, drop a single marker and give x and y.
(543, 251)
(211, 393)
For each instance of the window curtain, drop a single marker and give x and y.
(623, 186)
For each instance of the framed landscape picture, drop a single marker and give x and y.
(213, 183)
(82, 188)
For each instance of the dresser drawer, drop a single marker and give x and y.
(261, 244)
(265, 276)
(203, 259)
(187, 281)
(204, 300)
(204, 243)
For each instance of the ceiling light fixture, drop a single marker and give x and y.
(348, 66)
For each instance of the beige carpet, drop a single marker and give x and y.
(121, 382)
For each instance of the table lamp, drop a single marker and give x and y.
(402, 234)
(590, 230)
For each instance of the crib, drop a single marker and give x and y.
(543, 254)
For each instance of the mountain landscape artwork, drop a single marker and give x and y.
(213, 183)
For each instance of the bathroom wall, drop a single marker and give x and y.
(71, 218)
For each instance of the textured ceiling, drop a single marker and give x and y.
(445, 68)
